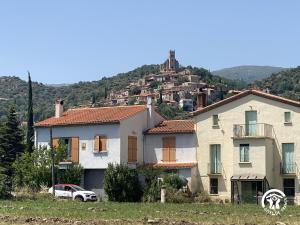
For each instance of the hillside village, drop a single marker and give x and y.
(173, 85)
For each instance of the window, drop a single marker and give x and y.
(100, 144)
(214, 186)
(289, 187)
(70, 145)
(215, 159)
(215, 119)
(244, 153)
(287, 117)
(66, 143)
(132, 148)
(288, 162)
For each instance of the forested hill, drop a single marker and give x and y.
(285, 83)
(13, 90)
(249, 74)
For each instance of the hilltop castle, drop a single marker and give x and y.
(171, 64)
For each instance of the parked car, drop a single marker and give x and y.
(73, 191)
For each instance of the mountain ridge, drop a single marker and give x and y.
(248, 73)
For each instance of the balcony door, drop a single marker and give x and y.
(251, 121)
(215, 158)
(288, 157)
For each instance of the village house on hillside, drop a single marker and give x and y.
(175, 85)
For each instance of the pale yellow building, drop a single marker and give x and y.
(248, 143)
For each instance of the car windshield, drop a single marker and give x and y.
(77, 188)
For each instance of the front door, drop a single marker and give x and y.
(251, 123)
(250, 190)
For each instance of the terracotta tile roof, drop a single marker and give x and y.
(173, 165)
(243, 94)
(101, 115)
(173, 126)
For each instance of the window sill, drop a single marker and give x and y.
(216, 126)
(244, 162)
(214, 194)
(100, 152)
(288, 123)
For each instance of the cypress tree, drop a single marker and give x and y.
(10, 146)
(30, 131)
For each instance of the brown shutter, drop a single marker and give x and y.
(96, 144)
(75, 149)
(55, 142)
(102, 143)
(129, 149)
(172, 148)
(166, 154)
(134, 149)
(169, 149)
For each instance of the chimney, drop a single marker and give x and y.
(150, 107)
(201, 100)
(59, 108)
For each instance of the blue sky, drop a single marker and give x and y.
(68, 41)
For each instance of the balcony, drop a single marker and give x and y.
(288, 168)
(258, 130)
(214, 168)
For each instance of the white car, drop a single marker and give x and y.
(73, 191)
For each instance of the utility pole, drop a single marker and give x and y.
(52, 159)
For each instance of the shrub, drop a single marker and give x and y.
(71, 175)
(33, 170)
(174, 181)
(122, 184)
(202, 197)
(5, 187)
(152, 186)
(174, 195)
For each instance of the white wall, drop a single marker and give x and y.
(87, 158)
(185, 147)
(133, 126)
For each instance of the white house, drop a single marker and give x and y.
(171, 145)
(98, 136)
(249, 143)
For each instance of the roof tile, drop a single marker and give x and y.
(173, 126)
(85, 116)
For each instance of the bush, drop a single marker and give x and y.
(33, 170)
(173, 180)
(71, 175)
(203, 197)
(5, 187)
(122, 184)
(152, 185)
(174, 195)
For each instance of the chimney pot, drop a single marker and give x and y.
(59, 108)
(201, 100)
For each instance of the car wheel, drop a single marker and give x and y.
(79, 198)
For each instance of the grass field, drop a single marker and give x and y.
(50, 211)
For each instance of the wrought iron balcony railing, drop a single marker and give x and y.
(214, 168)
(288, 168)
(257, 130)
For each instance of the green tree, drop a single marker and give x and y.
(10, 146)
(30, 131)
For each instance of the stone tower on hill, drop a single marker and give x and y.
(171, 64)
